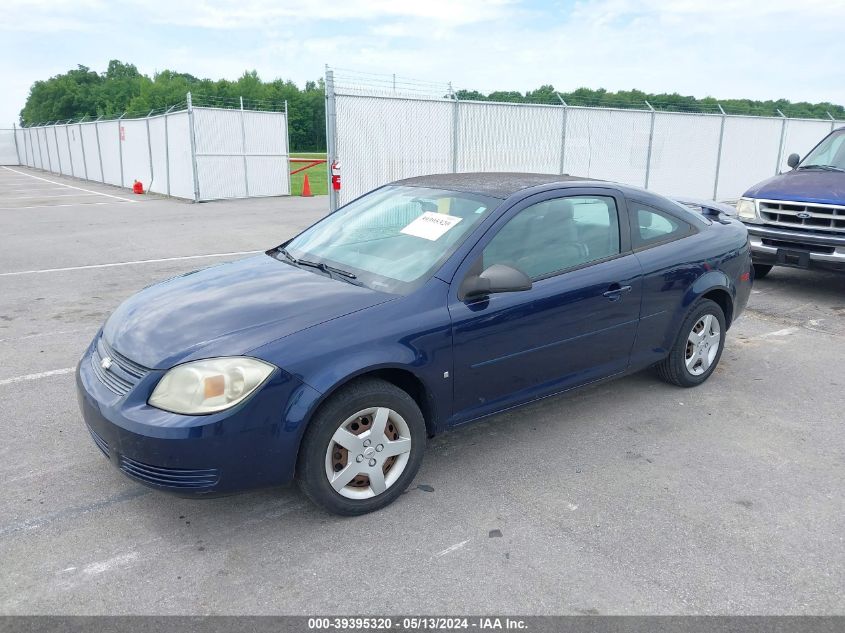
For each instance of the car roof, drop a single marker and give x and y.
(503, 184)
(493, 184)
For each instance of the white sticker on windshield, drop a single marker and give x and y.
(431, 226)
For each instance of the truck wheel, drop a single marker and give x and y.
(761, 270)
(698, 348)
(362, 449)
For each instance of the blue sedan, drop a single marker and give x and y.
(423, 305)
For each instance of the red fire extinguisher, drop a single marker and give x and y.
(336, 175)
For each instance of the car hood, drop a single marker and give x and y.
(802, 185)
(228, 309)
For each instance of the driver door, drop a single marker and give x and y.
(575, 325)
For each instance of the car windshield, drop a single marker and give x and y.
(829, 153)
(392, 239)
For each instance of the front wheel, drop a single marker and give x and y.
(362, 449)
(698, 348)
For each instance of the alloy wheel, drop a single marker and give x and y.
(702, 344)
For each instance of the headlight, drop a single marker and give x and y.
(210, 385)
(746, 209)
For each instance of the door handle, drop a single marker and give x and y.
(615, 292)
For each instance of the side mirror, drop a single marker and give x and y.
(793, 160)
(496, 278)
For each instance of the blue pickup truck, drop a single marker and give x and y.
(797, 218)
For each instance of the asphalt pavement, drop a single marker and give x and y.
(630, 497)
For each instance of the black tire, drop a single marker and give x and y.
(673, 368)
(357, 396)
(761, 270)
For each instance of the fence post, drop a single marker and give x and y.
(331, 136)
(15, 136)
(719, 153)
(562, 133)
(27, 150)
(150, 150)
(99, 149)
(58, 153)
(120, 134)
(31, 146)
(69, 150)
(650, 144)
(82, 145)
(456, 119)
(243, 149)
(47, 144)
(193, 148)
(167, 148)
(782, 138)
(287, 145)
(832, 121)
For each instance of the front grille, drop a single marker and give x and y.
(813, 217)
(121, 375)
(170, 477)
(100, 442)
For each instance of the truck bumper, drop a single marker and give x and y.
(796, 249)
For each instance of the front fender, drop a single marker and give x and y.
(435, 396)
(411, 335)
(324, 384)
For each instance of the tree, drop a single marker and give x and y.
(122, 88)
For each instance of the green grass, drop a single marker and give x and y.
(317, 176)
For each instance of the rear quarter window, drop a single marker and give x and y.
(651, 226)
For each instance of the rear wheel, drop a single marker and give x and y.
(698, 348)
(362, 449)
(761, 270)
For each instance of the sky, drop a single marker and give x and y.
(757, 49)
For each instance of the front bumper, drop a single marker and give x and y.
(251, 445)
(797, 249)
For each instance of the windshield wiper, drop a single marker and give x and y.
(327, 269)
(290, 257)
(318, 265)
(825, 167)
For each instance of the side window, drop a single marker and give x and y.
(652, 226)
(555, 235)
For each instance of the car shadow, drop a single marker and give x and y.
(805, 284)
(274, 511)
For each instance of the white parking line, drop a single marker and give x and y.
(139, 261)
(43, 334)
(451, 548)
(30, 189)
(53, 182)
(51, 206)
(47, 195)
(43, 374)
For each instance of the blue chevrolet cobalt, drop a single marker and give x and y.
(426, 304)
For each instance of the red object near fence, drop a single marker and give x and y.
(138, 187)
(335, 175)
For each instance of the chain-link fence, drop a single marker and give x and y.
(382, 129)
(186, 151)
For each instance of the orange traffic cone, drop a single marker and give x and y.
(306, 187)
